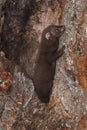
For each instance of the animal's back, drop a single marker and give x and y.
(46, 62)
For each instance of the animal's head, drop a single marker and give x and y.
(53, 32)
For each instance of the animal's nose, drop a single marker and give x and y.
(61, 28)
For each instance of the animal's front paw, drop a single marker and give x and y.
(61, 51)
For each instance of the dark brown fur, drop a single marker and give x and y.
(46, 62)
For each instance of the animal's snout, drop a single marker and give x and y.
(61, 28)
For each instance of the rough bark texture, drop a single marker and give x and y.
(21, 26)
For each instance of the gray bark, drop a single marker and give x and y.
(22, 23)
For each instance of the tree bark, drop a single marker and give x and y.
(22, 23)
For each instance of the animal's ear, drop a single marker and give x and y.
(47, 35)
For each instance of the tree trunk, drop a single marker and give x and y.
(22, 23)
